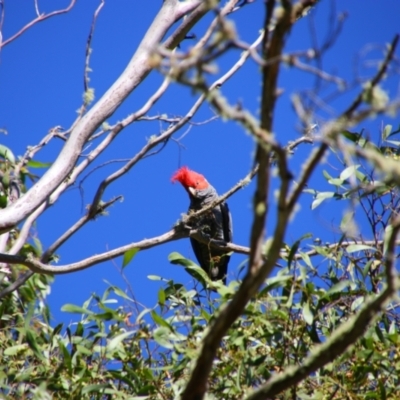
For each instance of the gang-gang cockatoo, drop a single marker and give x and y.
(216, 223)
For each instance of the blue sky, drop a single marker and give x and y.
(41, 86)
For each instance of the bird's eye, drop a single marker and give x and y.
(197, 183)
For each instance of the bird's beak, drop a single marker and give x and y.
(192, 191)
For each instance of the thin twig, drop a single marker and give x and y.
(169, 132)
(88, 53)
(40, 18)
(373, 82)
(74, 228)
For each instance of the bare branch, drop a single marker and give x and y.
(348, 118)
(37, 8)
(32, 150)
(88, 53)
(169, 132)
(74, 228)
(187, 24)
(16, 284)
(40, 18)
(294, 61)
(228, 8)
(37, 266)
(377, 78)
(197, 384)
(136, 71)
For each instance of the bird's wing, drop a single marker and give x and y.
(198, 249)
(227, 222)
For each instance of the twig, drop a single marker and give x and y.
(174, 120)
(16, 284)
(169, 132)
(1, 20)
(36, 265)
(37, 8)
(88, 53)
(74, 228)
(64, 166)
(197, 385)
(228, 8)
(183, 29)
(294, 61)
(40, 18)
(32, 150)
(373, 82)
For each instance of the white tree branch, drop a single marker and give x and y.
(137, 69)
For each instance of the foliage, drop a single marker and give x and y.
(116, 350)
(113, 351)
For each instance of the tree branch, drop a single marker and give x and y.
(347, 334)
(40, 18)
(197, 385)
(137, 69)
(169, 132)
(88, 52)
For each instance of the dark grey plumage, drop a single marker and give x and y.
(216, 223)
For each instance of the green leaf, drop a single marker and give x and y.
(107, 316)
(336, 182)
(13, 350)
(119, 292)
(154, 277)
(116, 341)
(354, 137)
(71, 308)
(7, 154)
(160, 321)
(98, 388)
(205, 315)
(396, 143)
(357, 302)
(161, 297)
(326, 175)
(386, 131)
(66, 356)
(289, 301)
(347, 224)
(349, 171)
(3, 200)
(83, 350)
(38, 164)
(138, 398)
(339, 287)
(162, 337)
(142, 314)
(311, 191)
(395, 132)
(177, 258)
(295, 247)
(353, 248)
(307, 314)
(320, 198)
(32, 342)
(306, 258)
(128, 255)
(275, 282)
(386, 238)
(198, 273)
